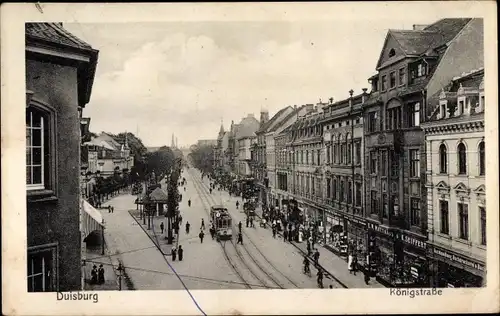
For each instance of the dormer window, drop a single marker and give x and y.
(461, 105)
(392, 52)
(375, 85)
(442, 109)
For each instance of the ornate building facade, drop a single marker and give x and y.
(456, 167)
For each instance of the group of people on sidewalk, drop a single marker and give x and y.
(97, 275)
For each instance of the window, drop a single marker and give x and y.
(415, 211)
(414, 115)
(444, 217)
(341, 194)
(414, 163)
(374, 202)
(482, 223)
(460, 107)
(328, 188)
(335, 189)
(462, 159)
(36, 149)
(443, 110)
(372, 122)
(421, 70)
(335, 159)
(40, 271)
(481, 159)
(463, 215)
(373, 162)
(358, 194)
(385, 206)
(383, 163)
(443, 159)
(349, 192)
(393, 120)
(313, 187)
(328, 154)
(307, 157)
(358, 152)
(342, 153)
(401, 75)
(392, 79)
(318, 156)
(392, 52)
(374, 85)
(384, 83)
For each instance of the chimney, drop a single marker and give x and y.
(351, 92)
(419, 27)
(363, 96)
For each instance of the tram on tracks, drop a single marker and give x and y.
(222, 222)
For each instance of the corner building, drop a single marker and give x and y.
(413, 65)
(456, 191)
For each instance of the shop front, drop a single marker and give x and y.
(397, 257)
(452, 269)
(346, 235)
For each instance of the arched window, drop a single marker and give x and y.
(481, 159)
(462, 159)
(392, 52)
(443, 159)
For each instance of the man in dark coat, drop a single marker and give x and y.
(285, 235)
(100, 274)
(239, 226)
(240, 239)
(181, 253)
(174, 253)
(201, 235)
(162, 227)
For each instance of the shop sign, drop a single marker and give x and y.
(378, 228)
(357, 221)
(413, 241)
(459, 259)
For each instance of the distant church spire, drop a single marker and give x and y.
(173, 143)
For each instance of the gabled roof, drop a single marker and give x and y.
(54, 32)
(273, 121)
(418, 42)
(158, 195)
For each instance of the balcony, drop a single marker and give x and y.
(384, 139)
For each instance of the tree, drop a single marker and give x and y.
(203, 158)
(160, 162)
(172, 201)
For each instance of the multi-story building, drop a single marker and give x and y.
(220, 148)
(342, 126)
(60, 70)
(108, 155)
(245, 129)
(303, 159)
(259, 150)
(455, 150)
(413, 65)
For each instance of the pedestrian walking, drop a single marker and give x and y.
(202, 224)
(100, 274)
(174, 253)
(184, 188)
(187, 227)
(201, 235)
(212, 231)
(180, 219)
(180, 252)
(240, 239)
(285, 235)
(316, 257)
(366, 273)
(349, 263)
(237, 204)
(354, 264)
(210, 190)
(290, 236)
(189, 202)
(109, 208)
(320, 278)
(251, 222)
(93, 275)
(274, 231)
(162, 227)
(112, 209)
(308, 248)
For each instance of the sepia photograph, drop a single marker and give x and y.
(256, 154)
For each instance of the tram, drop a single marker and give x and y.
(222, 222)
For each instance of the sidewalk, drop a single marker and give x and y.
(333, 264)
(154, 233)
(94, 257)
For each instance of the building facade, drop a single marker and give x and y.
(245, 155)
(412, 64)
(345, 223)
(60, 70)
(455, 148)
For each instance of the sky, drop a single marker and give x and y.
(158, 78)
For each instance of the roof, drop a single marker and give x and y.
(419, 42)
(55, 33)
(273, 120)
(158, 195)
(247, 127)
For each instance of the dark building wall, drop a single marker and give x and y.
(57, 220)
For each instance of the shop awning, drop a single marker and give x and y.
(91, 219)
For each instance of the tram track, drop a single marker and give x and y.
(256, 262)
(204, 196)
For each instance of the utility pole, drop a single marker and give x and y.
(102, 237)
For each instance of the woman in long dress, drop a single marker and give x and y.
(349, 263)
